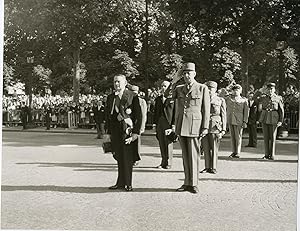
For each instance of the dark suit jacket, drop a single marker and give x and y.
(253, 113)
(99, 115)
(166, 109)
(129, 108)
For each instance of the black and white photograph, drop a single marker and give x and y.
(169, 115)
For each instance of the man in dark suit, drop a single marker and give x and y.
(99, 116)
(24, 114)
(124, 120)
(191, 124)
(252, 120)
(164, 119)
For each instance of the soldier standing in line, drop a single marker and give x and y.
(216, 130)
(237, 117)
(271, 116)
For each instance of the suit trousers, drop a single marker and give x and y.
(210, 144)
(125, 165)
(236, 132)
(191, 159)
(100, 130)
(252, 129)
(270, 133)
(165, 145)
(124, 154)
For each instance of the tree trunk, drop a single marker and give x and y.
(244, 69)
(76, 74)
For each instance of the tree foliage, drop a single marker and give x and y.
(85, 42)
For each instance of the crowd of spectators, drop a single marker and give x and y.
(60, 106)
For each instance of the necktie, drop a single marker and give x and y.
(117, 103)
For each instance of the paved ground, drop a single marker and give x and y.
(59, 181)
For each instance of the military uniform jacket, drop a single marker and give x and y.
(193, 109)
(218, 115)
(271, 109)
(237, 110)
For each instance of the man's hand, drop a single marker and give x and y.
(244, 125)
(220, 135)
(204, 132)
(168, 131)
(131, 139)
(177, 76)
(279, 124)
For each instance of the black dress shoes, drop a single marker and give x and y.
(182, 188)
(205, 170)
(234, 155)
(166, 167)
(193, 189)
(128, 188)
(213, 171)
(114, 187)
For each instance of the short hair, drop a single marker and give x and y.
(121, 75)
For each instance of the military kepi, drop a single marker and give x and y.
(270, 85)
(236, 86)
(212, 84)
(188, 67)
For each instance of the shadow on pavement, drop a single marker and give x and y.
(248, 180)
(96, 167)
(54, 188)
(255, 159)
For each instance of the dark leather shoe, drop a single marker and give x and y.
(166, 167)
(234, 155)
(128, 188)
(182, 188)
(265, 158)
(193, 189)
(159, 166)
(114, 187)
(205, 170)
(213, 171)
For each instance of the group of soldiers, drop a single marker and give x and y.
(197, 116)
(203, 118)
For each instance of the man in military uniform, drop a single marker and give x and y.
(191, 123)
(216, 130)
(237, 118)
(271, 116)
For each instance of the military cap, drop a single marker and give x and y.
(236, 86)
(212, 84)
(270, 85)
(188, 67)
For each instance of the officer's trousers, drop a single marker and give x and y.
(270, 133)
(210, 144)
(236, 132)
(191, 159)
